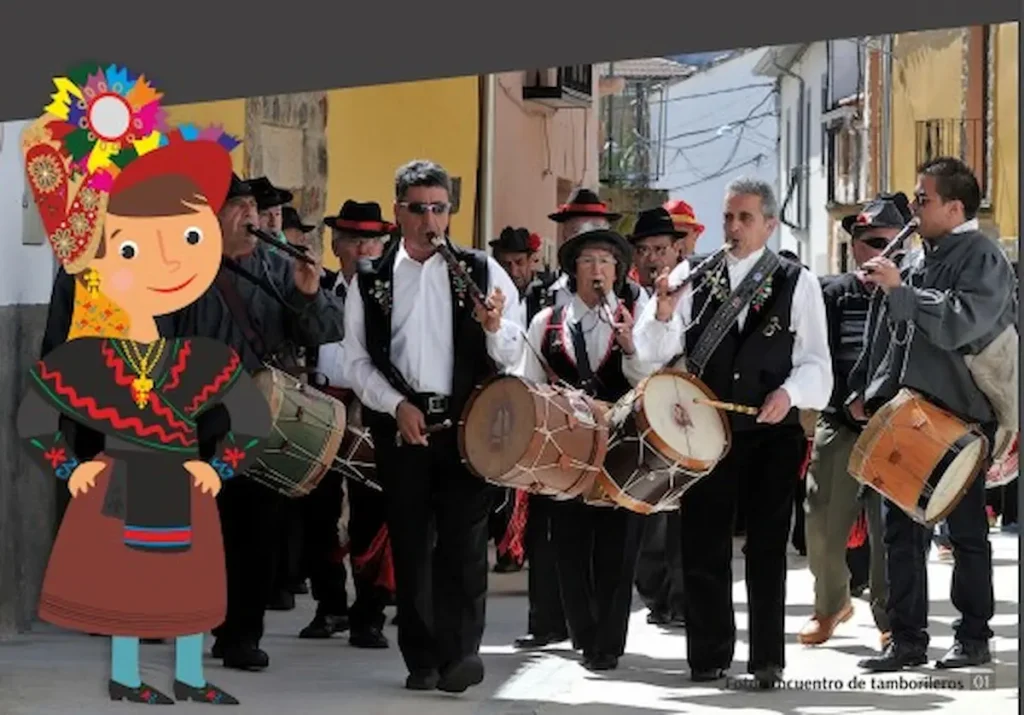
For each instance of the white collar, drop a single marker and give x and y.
(746, 261)
(972, 225)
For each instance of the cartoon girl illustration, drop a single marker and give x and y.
(129, 205)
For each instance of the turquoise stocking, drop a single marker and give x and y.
(188, 660)
(124, 661)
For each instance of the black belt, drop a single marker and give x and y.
(431, 404)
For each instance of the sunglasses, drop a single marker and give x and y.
(875, 242)
(420, 209)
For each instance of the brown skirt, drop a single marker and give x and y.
(96, 584)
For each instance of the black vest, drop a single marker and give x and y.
(846, 306)
(749, 365)
(610, 383)
(472, 362)
(538, 297)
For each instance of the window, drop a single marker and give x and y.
(843, 62)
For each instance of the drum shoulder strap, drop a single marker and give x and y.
(726, 315)
(236, 306)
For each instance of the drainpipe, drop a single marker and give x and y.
(800, 157)
(885, 130)
(487, 161)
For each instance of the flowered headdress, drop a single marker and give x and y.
(104, 131)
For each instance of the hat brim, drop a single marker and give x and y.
(279, 197)
(675, 234)
(207, 164)
(498, 247)
(305, 228)
(360, 229)
(569, 250)
(559, 217)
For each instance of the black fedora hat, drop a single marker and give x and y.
(583, 202)
(654, 222)
(885, 211)
(363, 220)
(267, 195)
(571, 249)
(290, 219)
(238, 188)
(516, 240)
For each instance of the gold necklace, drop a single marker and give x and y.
(143, 365)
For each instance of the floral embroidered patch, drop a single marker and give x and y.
(382, 294)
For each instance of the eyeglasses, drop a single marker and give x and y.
(875, 242)
(657, 251)
(437, 207)
(595, 261)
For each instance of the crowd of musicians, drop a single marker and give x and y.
(406, 338)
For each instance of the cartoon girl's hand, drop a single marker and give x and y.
(84, 477)
(206, 477)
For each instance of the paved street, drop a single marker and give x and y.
(51, 671)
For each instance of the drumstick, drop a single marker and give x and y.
(430, 429)
(729, 406)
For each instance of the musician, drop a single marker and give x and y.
(759, 340)
(358, 232)
(270, 202)
(659, 240)
(588, 343)
(832, 505)
(417, 344)
(264, 324)
(685, 221)
(656, 245)
(950, 301)
(296, 232)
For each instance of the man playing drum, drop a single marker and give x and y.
(418, 342)
(832, 503)
(758, 337)
(950, 302)
(588, 344)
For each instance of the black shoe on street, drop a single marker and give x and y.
(965, 655)
(422, 680)
(462, 675)
(324, 626)
(369, 637)
(531, 640)
(241, 656)
(895, 657)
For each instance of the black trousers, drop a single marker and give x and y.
(546, 616)
(659, 570)
(765, 465)
(289, 569)
(502, 504)
(597, 550)
(368, 510)
(250, 517)
(907, 543)
(319, 513)
(441, 584)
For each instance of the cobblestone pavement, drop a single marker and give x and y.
(52, 671)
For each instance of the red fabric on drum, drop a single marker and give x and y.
(859, 532)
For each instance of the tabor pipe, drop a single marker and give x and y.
(296, 252)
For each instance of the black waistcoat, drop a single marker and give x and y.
(749, 365)
(846, 305)
(610, 383)
(538, 297)
(472, 362)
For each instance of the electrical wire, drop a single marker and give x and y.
(757, 159)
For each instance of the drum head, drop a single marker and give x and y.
(688, 428)
(499, 425)
(954, 482)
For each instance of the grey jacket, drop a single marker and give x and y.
(957, 296)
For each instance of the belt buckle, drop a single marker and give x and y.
(437, 404)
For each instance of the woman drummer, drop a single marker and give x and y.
(588, 344)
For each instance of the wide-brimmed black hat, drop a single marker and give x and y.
(267, 195)
(654, 222)
(516, 240)
(290, 219)
(363, 220)
(885, 211)
(583, 202)
(238, 188)
(571, 249)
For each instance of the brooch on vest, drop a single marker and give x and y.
(382, 294)
(460, 285)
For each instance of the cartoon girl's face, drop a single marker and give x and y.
(158, 265)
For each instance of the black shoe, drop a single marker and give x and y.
(506, 564)
(299, 589)
(462, 675)
(422, 680)
(368, 637)
(767, 677)
(324, 626)
(531, 640)
(707, 675)
(896, 656)
(209, 693)
(658, 618)
(145, 694)
(598, 662)
(965, 655)
(281, 601)
(244, 657)
(676, 621)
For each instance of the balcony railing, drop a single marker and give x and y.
(560, 87)
(965, 139)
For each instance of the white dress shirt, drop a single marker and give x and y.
(421, 332)
(331, 357)
(598, 336)
(809, 384)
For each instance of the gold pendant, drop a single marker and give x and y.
(141, 387)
